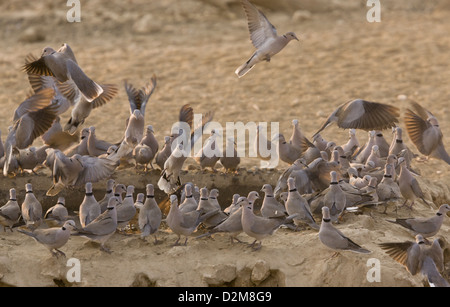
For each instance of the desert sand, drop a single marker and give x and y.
(193, 47)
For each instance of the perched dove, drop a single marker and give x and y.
(164, 153)
(270, 206)
(335, 199)
(207, 205)
(264, 38)
(286, 151)
(62, 65)
(409, 186)
(259, 227)
(230, 159)
(427, 227)
(362, 114)
(52, 238)
(210, 153)
(424, 131)
(296, 204)
(126, 210)
(334, 238)
(352, 144)
(108, 194)
(57, 215)
(146, 150)
(417, 257)
(119, 189)
(31, 208)
(103, 227)
(149, 215)
(363, 154)
(398, 146)
(10, 212)
(383, 145)
(189, 203)
(89, 207)
(135, 128)
(233, 206)
(95, 146)
(388, 189)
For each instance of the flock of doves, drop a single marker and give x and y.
(323, 179)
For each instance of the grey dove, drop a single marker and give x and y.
(62, 65)
(57, 215)
(10, 212)
(286, 151)
(297, 205)
(95, 146)
(259, 227)
(138, 98)
(164, 153)
(119, 189)
(334, 239)
(297, 137)
(383, 145)
(264, 38)
(270, 206)
(409, 186)
(31, 208)
(149, 218)
(233, 206)
(184, 224)
(335, 199)
(52, 238)
(364, 115)
(417, 257)
(388, 189)
(352, 144)
(126, 210)
(189, 203)
(103, 227)
(363, 154)
(210, 154)
(398, 146)
(425, 133)
(207, 205)
(135, 128)
(427, 227)
(146, 150)
(230, 159)
(89, 207)
(108, 194)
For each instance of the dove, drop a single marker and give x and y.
(164, 153)
(233, 206)
(135, 128)
(409, 186)
(184, 224)
(126, 210)
(146, 150)
(208, 204)
(103, 227)
(297, 137)
(286, 151)
(352, 144)
(230, 159)
(363, 154)
(95, 146)
(297, 205)
(264, 38)
(78, 170)
(427, 227)
(31, 208)
(170, 176)
(425, 133)
(57, 215)
(335, 199)
(81, 147)
(383, 145)
(189, 203)
(56, 138)
(52, 238)
(138, 99)
(334, 239)
(89, 207)
(388, 189)
(363, 114)
(27, 158)
(108, 194)
(10, 212)
(375, 157)
(83, 108)
(119, 189)
(149, 218)
(398, 146)
(259, 227)
(270, 206)
(210, 154)
(417, 257)
(62, 65)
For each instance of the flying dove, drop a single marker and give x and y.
(103, 227)
(270, 206)
(259, 227)
(10, 212)
(56, 138)
(52, 238)
(296, 204)
(230, 159)
(62, 65)
(31, 209)
(150, 215)
(264, 38)
(83, 108)
(334, 238)
(388, 189)
(427, 227)
(126, 210)
(409, 186)
(89, 207)
(299, 165)
(108, 194)
(78, 170)
(27, 158)
(184, 224)
(362, 114)
(417, 257)
(57, 215)
(138, 99)
(424, 131)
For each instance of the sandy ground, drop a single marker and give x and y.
(194, 47)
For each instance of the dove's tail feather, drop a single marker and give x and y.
(55, 189)
(243, 69)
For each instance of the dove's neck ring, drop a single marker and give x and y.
(293, 190)
(190, 196)
(89, 194)
(150, 196)
(326, 220)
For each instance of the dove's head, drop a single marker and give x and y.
(214, 193)
(140, 198)
(433, 121)
(290, 36)
(267, 188)
(252, 196)
(242, 201)
(47, 51)
(173, 199)
(149, 189)
(419, 239)
(61, 201)
(150, 129)
(69, 224)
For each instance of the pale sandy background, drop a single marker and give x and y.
(193, 47)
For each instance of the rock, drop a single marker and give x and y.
(260, 272)
(219, 274)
